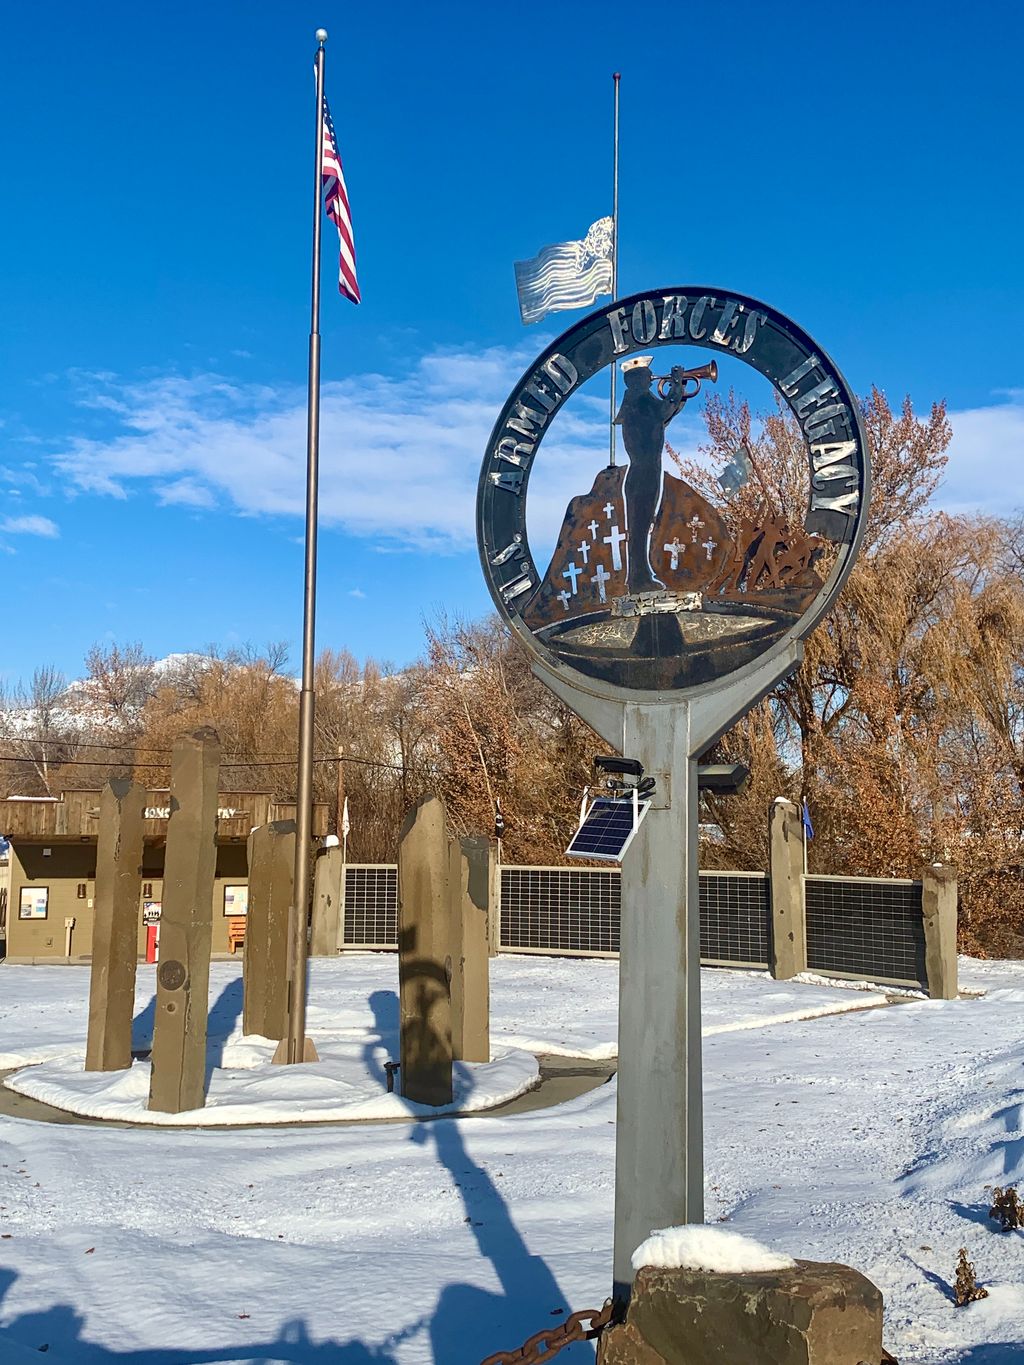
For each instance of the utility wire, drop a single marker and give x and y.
(81, 744)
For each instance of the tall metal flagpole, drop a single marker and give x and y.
(298, 946)
(616, 77)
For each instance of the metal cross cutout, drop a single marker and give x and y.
(572, 573)
(675, 550)
(615, 540)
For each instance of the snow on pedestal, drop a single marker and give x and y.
(695, 1246)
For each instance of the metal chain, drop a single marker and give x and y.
(546, 1345)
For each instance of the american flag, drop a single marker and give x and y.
(337, 206)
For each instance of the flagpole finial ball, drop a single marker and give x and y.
(321, 35)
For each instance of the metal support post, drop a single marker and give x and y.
(659, 1180)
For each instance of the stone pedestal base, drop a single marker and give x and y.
(816, 1314)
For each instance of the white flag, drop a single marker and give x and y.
(583, 804)
(345, 826)
(567, 275)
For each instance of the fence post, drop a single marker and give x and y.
(115, 931)
(178, 1078)
(789, 926)
(327, 874)
(939, 911)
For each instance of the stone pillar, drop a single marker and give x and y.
(814, 1312)
(424, 955)
(789, 928)
(939, 909)
(178, 1080)
(271, 852)
(327, 875)
(471, 881)
(115, 926)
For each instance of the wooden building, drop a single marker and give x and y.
(50, 874)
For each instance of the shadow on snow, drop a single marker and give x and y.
(468, 1323)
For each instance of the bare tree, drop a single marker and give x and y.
(119, 682)
(41, 728)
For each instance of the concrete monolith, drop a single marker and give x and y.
(116, 926)
(178, 1080)
(424, 955)
(327, 876)
(789, 929)
(939, 910)
(470, 883)
(265, 968)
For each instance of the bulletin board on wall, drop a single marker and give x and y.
(236, 900)
(33, 902)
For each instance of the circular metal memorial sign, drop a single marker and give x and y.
(654, 586)
(172, 974)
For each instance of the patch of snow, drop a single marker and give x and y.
(245, 1088)
(864, 1137)
(842, 983)
(14, 1353)
(699, 1247)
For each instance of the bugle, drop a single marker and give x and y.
(674, 385)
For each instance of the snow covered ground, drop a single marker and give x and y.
(865, 1137)
(346, 1084)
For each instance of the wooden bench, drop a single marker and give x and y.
(236, 932)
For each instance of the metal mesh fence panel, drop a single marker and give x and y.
(861, 926)
(570, 910)
(855, 926)
(559, 909)
(735, 918)
(371, 906)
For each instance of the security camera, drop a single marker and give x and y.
(625, 767)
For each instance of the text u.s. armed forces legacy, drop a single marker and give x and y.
(720, 321)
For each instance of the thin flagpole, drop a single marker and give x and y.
(304, 796)
(616, 77)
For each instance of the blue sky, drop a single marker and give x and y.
(857, 167)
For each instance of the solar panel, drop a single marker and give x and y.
(607, 829)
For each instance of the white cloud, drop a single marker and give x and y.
(30, 526)
(986, 459)
(400, 457)
(185, 493)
